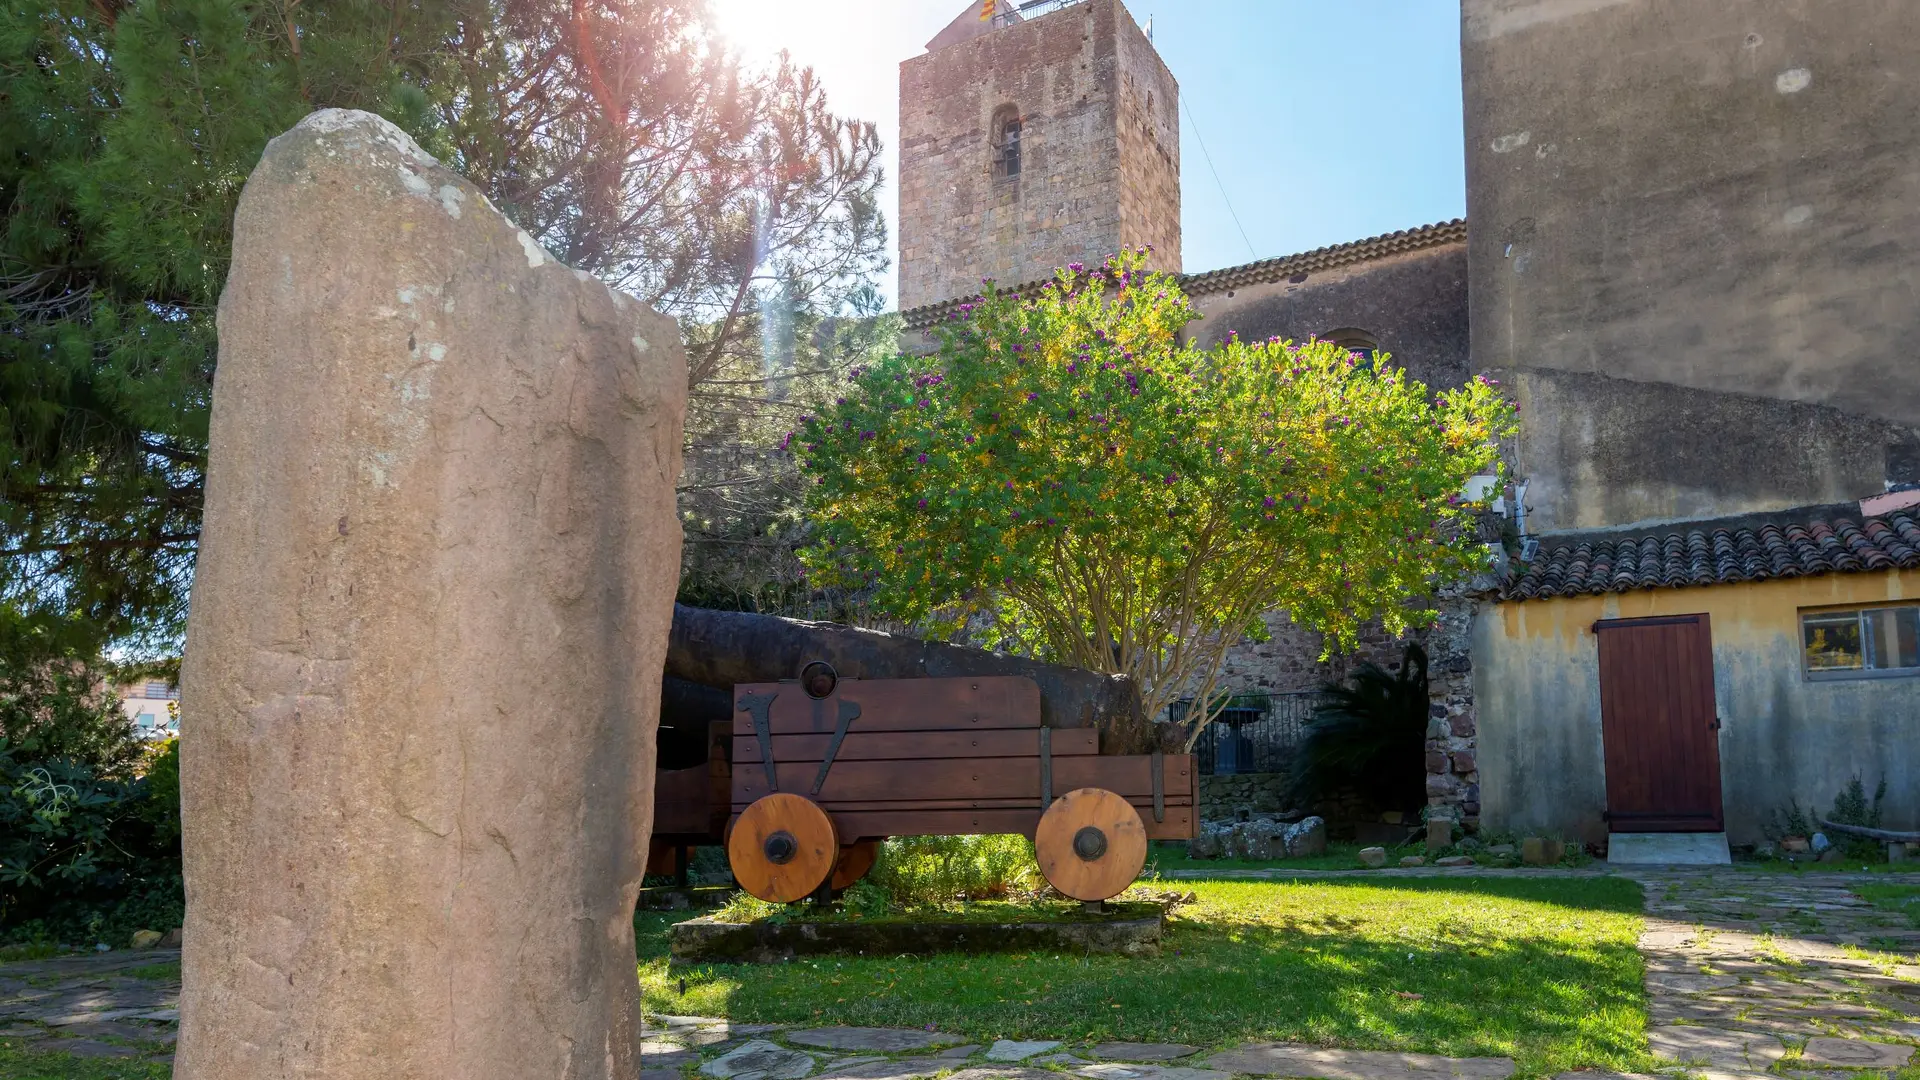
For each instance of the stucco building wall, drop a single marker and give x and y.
(1537, 688)
(1716, 200)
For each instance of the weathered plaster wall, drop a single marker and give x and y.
(1602, 451)
(1716, 195)
(1099, 161)
(1536, 684)
(1414, 305)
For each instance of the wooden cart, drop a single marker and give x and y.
(823, 768)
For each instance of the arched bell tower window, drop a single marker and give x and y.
(1006, 142)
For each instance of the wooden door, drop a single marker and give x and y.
(1660, 726)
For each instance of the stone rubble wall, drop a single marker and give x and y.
(1290, 661)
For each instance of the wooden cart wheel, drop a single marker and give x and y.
(855, 860)
(782, 847)
(1090, 844)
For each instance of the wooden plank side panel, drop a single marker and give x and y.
(682, 801)
(965, 703)
(1657, 725)
(863, 745)
(1179, 823)
(966, 778)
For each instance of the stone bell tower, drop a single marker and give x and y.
(1044, 135)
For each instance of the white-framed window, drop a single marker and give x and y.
(1865, 642)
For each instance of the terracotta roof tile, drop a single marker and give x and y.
(1318, 260)
(1717, 553)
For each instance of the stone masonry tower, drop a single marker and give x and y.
(1030, 141)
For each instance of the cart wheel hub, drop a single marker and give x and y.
(781, 847)
(1089, 843)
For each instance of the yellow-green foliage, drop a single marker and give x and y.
(921, 870)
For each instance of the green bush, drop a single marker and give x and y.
(87, 857)
(920, 871)
(1368, 737)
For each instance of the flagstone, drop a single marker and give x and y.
(1281, 1059)
(1726, 1049)
(1856, 1054)
(879, 1039)
(1020, 1050)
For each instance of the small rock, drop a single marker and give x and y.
(1204, 846)
(1470, 843)
(1831, 855)
(1414, 860)
(146, 939)
(1018, 1050)
(173, 938)
(1795, 845)
(1504, 851)
(1304, 838)
(1819, 842)
(1454, 860)
(760, 1060)
(1439, 833)
(1375, 857)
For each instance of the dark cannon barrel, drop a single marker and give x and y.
(721, 648)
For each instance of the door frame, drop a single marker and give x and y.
(1655, 822)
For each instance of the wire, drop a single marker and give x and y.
(1195, 124)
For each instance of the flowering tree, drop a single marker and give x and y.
(1100, 494)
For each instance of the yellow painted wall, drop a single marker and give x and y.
(1536, 684)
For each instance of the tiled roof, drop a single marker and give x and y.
(1232, 277)
(1328, 258)
(1711, 553)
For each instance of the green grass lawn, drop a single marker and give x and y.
(1173, 856)
(20, 1064)
(1543, 970)
(1901, 898)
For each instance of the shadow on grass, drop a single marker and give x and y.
(1543, 970)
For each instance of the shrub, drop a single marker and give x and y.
(86, 857)
(934, 870)
(1851, 807)
(1369, 737)
(1068, 478)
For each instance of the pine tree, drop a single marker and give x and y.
(619, 134)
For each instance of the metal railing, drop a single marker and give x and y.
(1255, 733)
(1006, 14)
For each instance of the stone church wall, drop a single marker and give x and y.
(1099, 153)
(1413, 305)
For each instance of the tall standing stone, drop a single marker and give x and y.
(429, 619)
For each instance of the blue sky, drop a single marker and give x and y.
(1327, 121)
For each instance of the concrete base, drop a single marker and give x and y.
(1668, 849)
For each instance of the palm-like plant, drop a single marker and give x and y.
(1368, 737)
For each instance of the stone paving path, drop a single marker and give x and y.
(119, 1004)
(1747, 973)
